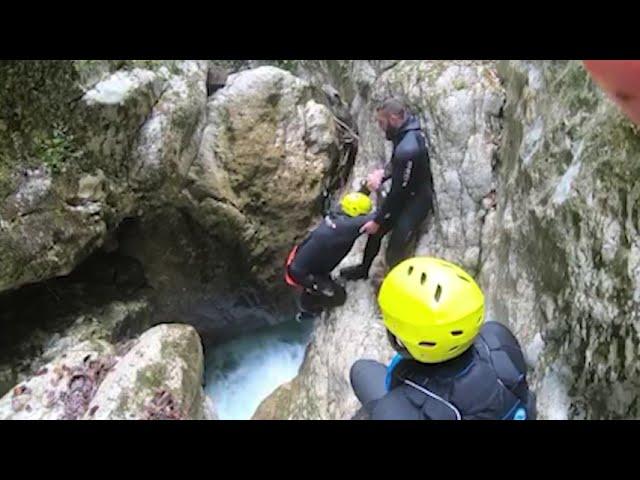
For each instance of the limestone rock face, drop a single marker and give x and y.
(535, 172)
(566, 272)
(265, 152)
(157, 376)
(459, 104)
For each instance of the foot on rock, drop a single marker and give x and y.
(357, 272)
(302, 316)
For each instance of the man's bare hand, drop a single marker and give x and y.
(374, 179)
(370, 228)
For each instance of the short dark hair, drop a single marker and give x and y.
(394, 106)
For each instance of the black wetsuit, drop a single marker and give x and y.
(318, 254)
(487, 382)
(408, 203)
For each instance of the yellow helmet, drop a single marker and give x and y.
(356, 203)
(432, 309)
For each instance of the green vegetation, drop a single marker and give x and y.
(56, 149)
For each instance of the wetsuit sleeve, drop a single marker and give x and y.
(361, 220)
(349, 227)
(402, 169)
(387, 172)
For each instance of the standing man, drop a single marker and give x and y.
(410, 199)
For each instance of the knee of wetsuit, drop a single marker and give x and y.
(355, 372)
(361, 371)
(367, 381)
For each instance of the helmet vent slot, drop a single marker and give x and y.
(454, 348)
(455, 333)
(438, 293)
(410, 271)
(423, 278)
(462, 278)
(427, 344)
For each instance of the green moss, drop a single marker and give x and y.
(91, 65)
(36, 107)
(459, 84)
(6, 185)
(572, 85)
(187, 350)
(289, 65)
(185, 120)
(231, 65)
(152, 377)
(88, 67)
(181, 347)
(123, 406)
(57, 149)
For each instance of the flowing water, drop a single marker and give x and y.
(244, 371)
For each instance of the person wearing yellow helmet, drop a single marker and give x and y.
(451, 364)
(310, 263)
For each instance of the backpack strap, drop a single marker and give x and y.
(504, 353)
(388, 380)
(434, 406)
